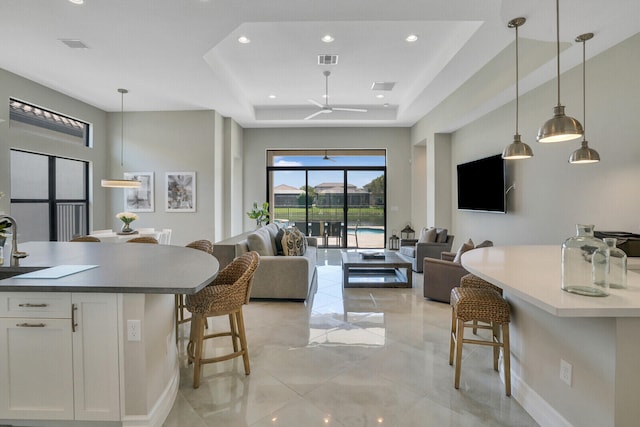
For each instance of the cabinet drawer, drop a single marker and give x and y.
(52, 305)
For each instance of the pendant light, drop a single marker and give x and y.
(121, 183)
(517, 149)
(584, 154)
(560, 127)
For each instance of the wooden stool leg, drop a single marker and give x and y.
(452, 337)
(506, 354)
(243, 342)
(197, 324)
(234, 331)
(495, 337)
(459, 339)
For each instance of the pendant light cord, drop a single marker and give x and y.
(558, 45)
(121, 128)
(584, 90)
(517, 89)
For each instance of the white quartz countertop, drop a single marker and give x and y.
(533, 273)
(121, 268)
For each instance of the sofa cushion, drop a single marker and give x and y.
(442, 235)
(464, 248)
(260, 241)
(409, 251)
(428, 235)
(294, 242)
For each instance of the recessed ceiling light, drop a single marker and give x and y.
(244, 39)
(327, 38)
(385, 105)
(379, 96)
(272, 96)
(411, 38)
(77, 1)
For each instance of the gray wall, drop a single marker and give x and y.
(549, 198)
(15, 86)
(175, 141)
(395, 140)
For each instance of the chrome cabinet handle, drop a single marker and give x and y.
(33, 305)
(74, 324)
(30, 325)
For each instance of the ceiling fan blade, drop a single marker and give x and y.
(357, 110)
(317, 113)
(314, 102)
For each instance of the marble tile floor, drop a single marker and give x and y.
(349, 358)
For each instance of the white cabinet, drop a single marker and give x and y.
(59, 358)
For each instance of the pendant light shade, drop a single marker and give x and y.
(560, 127)
(517, 149)
(121, 183)
(584, 154)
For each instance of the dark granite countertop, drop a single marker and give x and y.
(122, 268)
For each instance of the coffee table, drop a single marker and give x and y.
(388, 272)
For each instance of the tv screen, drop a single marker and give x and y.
(481, 185)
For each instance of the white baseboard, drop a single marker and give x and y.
(158, 414)
(543, 413)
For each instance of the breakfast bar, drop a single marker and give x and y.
(88, 332)
(598, 338)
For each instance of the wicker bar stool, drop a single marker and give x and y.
(85, 239)
(143, 239)
(226, 295)
(473, 281)
(486, 305)
(201, 245)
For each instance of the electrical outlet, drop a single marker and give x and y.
(565, 372)
(133, 330)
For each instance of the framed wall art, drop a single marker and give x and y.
(139, 199)
(180, 189)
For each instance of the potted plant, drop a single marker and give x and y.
(259, 213)
(127, 218)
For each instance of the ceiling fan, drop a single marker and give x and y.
(326, 157)
(324, 109)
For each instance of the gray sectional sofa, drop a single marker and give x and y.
(277, 276)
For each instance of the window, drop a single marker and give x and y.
(48, 123)
(49, 196)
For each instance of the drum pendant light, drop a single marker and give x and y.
(121, 183)
(517, 149)
(584, 154)
(560, 127)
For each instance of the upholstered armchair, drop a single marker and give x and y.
(442, 275)
(414, 250)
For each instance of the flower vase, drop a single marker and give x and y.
(126, 228)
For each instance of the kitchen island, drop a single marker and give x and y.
(598, 336)
(97, 347)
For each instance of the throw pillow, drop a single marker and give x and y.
(464, 248)
(294, 243)
(260, 241)
(485, 244)
(428, 235)
(442, 235)
(278, 242)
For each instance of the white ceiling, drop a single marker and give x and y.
(184, 54)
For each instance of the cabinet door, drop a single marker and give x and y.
(36, 369)
(95, 357)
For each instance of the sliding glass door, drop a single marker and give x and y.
(339, 197)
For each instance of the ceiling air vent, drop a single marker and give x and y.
(74, 44)
(327, 59)
(383, 86)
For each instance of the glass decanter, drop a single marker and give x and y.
(617, 265)
(585, 263)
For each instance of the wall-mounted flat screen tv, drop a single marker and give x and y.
(481, 185)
